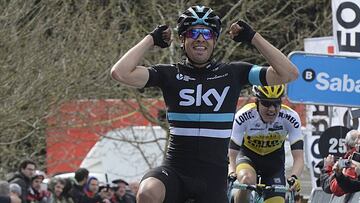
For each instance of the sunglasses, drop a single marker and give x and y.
(268, 103)
(194, 33)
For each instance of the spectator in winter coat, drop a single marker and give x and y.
(121, 195)
(346, 180)
(5, 195)
(23, 177)
(77, 191)
(92, 192)
(36, 195)
(56, 188)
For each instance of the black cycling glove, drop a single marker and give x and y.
(157, 36)
(294, 182)
(245, 35)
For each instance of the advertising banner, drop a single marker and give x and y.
(346, 26)
(326, 80)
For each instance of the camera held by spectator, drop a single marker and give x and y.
(342, 176)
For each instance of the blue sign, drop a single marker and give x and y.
(325, 80)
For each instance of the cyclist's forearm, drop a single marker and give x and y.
(284, 70)
(129, 61)
(298, 164)
(232, 160)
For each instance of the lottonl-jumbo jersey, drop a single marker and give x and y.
(265, 141)
(201, 104)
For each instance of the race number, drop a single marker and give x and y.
(332, 141)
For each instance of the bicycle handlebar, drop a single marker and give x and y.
(261, 187)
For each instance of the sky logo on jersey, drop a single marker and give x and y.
(191, 97)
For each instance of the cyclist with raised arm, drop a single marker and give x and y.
(201, 96)
(257, 143)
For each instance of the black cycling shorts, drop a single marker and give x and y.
(277, 178)
(208, 187)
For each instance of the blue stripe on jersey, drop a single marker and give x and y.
(205, 117)
(254, 75)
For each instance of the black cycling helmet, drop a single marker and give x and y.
(199, 15)
(269, 92)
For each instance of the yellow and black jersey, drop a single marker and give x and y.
(251, 132)
(265, 141)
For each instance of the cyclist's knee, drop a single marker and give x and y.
(245, 173)
(151, 190)
(275, 199)
(246, 176)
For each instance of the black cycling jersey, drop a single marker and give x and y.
(201, 103)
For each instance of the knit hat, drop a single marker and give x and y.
(15, 188)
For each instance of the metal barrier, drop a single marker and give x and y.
(318, 195)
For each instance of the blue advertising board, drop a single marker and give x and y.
(325, 80)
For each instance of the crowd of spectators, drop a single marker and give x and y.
(27, 185)
(341, 176)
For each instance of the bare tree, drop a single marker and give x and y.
(57, 51)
